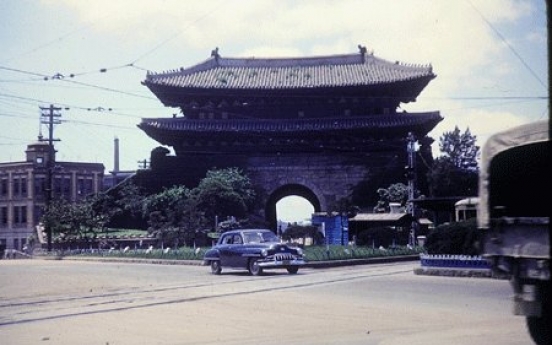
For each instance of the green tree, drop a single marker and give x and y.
(122, 204)
(178, 214)
(459, 238)
(225, 193)
(129, 198)
(81, 219)
(455, 172)
(397, 192)
(165, 212)
(174, 215)
(460, 149)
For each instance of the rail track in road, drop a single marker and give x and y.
(27, 309)
(90, 303)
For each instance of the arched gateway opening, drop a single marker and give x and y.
(284, 191)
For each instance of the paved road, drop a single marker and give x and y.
(68, 302)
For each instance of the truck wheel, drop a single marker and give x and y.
(539, 327)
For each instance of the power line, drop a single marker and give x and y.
(162, 43)
(535, 75)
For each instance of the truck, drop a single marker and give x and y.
(513, 218)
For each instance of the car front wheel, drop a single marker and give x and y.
(254, 268)
(216, 267)
(293, 270)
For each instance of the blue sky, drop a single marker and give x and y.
(490, 57)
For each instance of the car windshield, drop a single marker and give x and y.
(258, 237)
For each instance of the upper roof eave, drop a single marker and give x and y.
(172, 126)
(281, 73)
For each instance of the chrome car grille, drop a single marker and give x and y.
(283, 256)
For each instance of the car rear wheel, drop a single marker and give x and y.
(216, 268)
(254, 268)
(293, 270)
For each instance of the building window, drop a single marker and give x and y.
(23, 186)
(16, 183)
(3, 216)
(66, 187)
(39, 186)
(20, 215)
(57, 186)
(23, 215)
(84, 187)
(4, 187)
(38, 212)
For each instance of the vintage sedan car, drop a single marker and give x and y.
(254, 250)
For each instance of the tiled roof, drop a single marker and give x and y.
(378, 217)
(288, 126)
(290, 73)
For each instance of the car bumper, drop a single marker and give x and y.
(280, 263)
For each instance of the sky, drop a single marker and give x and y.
(90, 57)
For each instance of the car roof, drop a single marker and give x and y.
(246, 230)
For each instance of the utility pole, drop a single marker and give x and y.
(411, 176)
(143, 164)
(50, 117)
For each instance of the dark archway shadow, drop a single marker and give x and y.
(284, 191)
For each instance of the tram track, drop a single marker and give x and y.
(231, 284)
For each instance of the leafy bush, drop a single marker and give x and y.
(321, 253)
(460, 238)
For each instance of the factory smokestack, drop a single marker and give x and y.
(116, 156)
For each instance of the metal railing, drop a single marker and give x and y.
(454, 261)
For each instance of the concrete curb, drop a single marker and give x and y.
(129, 260)
(310, 264)
(429, 271)
(458, 272)
(368, 261)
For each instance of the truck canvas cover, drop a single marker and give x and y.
(523, 135)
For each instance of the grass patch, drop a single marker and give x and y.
(322, 253)
(311, 253)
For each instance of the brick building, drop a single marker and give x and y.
(23, 191)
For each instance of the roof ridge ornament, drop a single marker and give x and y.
(362, 51)
(215, 53)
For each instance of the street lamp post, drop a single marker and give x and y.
(411, 176)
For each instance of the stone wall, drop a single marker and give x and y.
(321, 178)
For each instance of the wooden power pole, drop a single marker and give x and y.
(50, 116)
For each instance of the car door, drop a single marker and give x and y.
(231, 250)
(224, 248)
(235, 251)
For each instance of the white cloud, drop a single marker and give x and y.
(467, 55)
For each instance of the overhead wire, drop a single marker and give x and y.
(510, 47)
(162, 43)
